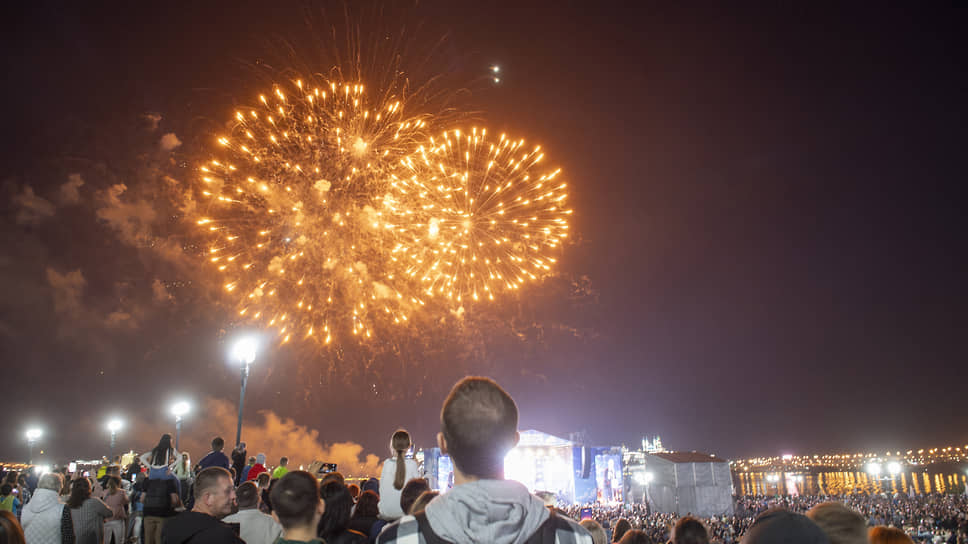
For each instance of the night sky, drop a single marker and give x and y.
(768, 222)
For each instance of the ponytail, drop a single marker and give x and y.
(400, 443)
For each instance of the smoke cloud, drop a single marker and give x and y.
(169, 141)
(70, 191)
(32, 209)
(268, 433)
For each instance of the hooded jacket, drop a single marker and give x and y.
(42, 517)
(485, 511)
(198, 528)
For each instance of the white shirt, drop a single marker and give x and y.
(389, 495)
(146, 459)
(255, 527)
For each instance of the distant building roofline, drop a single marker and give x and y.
(687, 457)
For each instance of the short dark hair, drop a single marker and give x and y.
(218, 443)
(283, 461)
(209, 478)
(479, 421)
(6, 489)
(411, 490)
(247, 495)
(689, 530)
(333, 477)
(423, 500)
(295, 498)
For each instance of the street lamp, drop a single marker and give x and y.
(244, 353)
(33, 435)
(114, 426)
(179, 409)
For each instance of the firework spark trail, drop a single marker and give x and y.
(330, 212)
(293, 209)
(486, 219)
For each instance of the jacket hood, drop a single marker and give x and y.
(184, 526)
(43, 500)
(498, 511)
(260, 459)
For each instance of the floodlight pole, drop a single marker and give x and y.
(245, 379)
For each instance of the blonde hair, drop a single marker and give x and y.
(841, 524)
(400, 443)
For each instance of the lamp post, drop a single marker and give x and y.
(32, 436)
(114, 426)
(244, 353)
(179, 409)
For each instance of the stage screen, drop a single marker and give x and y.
(598, 475)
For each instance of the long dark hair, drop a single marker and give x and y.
(368, 505)
(162, 451)
(339, 506)
(80, 492)
(400, 443)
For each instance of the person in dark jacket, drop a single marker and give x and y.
(215, 458)
(214, 499)
(238, 462)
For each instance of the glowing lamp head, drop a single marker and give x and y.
(874, 469)
(34, 434)
(179, 409)
(894, 468)
(115, 425)
(244, 350)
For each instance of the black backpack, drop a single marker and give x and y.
(157, 499)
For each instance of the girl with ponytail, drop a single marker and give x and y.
(397, 471)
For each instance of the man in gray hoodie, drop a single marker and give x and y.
(479, 424)
(44, 518)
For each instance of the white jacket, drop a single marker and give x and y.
(389, 495)
(41, 518)
(255, 527)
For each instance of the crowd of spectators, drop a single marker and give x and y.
(161, 497)
(933, 517)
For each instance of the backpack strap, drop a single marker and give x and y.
(430, 537)
(546, 532)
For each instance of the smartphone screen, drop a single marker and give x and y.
(585, 513)
(86, 474)
(72, 467)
